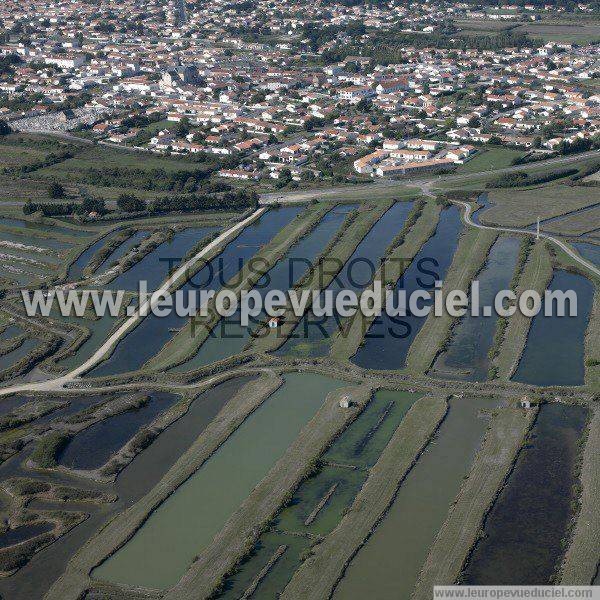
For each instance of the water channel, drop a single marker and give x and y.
(312, 335)
(525, 530)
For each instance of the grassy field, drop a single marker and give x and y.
(592, 344)
(104, 157)
(536, 276)
(318, 575)
(519, 208)
(486, 160)
(468, 260)
(581, 560)
(243, 528)
(13, 155)
(571, 34)
(459, 532)
(576, 224)
(478, 181)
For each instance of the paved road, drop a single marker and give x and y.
(306, 195)
(143, 310)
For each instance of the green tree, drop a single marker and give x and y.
(130, 203)
(56, 190)
(183, 127)
(4, 128)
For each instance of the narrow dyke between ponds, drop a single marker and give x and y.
(147, 338)
(229, 337)
(466, 357)
(319, 503)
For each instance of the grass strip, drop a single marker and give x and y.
(241, 531)
(460, 531)
(318, 575)
(536, 276)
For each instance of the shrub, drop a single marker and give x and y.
(56, 190)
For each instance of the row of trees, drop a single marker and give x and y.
(130, 203)
(520, 179)
(56, 209)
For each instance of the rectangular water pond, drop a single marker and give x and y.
(387, 342)
(554, 353)
(92, 447)
(154, 267)
(388, 565)
(319, 503)
(523, 542)
(161, 551)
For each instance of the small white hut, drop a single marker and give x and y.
(345, 402)
(525, 402)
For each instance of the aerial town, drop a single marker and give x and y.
(292, 93)
(299, 300)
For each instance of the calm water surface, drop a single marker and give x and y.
(92, 447)
(525, 528)
(389, 338)
(123, 249)
(154, 332)
(154, 267)
(312, 336)
(554, 353)
(229, 337)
